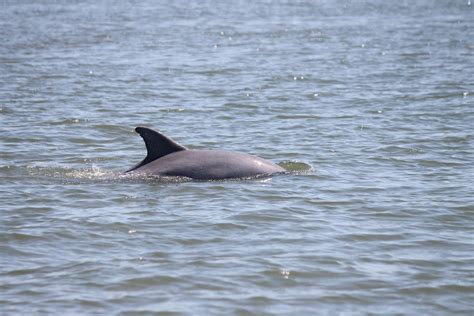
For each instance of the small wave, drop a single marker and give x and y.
(91, 173)
(295, 167)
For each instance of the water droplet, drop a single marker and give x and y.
(302, 77)
(294, 78)
(316, 94)
(285, 274)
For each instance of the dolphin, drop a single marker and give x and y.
(165, 157)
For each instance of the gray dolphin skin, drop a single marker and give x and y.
(167, 158)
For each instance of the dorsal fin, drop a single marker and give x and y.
(157, 145)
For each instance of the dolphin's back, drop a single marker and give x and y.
(209, 164)
(165, 157)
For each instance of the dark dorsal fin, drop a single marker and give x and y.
(157, 145)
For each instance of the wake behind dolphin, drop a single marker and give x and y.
(167, 158)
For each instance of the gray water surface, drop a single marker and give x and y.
(375, 97)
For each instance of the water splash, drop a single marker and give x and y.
(92, 173)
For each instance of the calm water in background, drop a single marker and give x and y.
(377, 97)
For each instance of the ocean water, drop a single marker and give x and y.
(370, 103)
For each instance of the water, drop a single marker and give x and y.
(376, 97)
